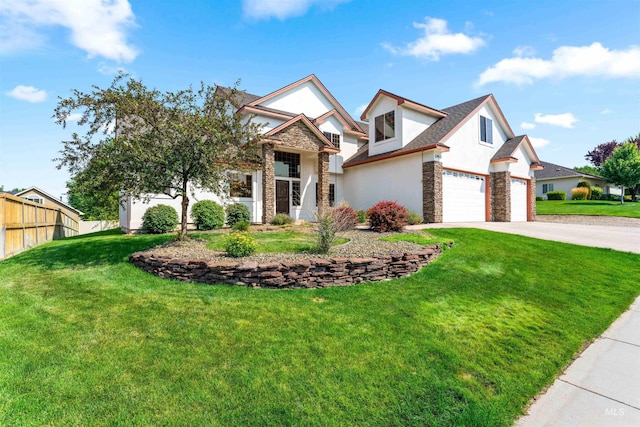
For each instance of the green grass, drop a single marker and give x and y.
(588, 207)
(271, 241)
(88, 339)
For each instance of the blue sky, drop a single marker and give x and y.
(567, 73)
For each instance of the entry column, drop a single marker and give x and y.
(268, 183)
(323, 182)
(432, 192)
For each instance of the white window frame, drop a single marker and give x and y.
(384, 120)
(486, 136)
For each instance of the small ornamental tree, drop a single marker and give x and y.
(623, 167)
(602, 152)
(143, 141)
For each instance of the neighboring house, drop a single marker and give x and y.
(37, 195)
(559, 178)
(461, 163)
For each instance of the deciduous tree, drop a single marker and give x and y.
(143, 141)
(623, 167)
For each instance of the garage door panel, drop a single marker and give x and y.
(518, 199)
(463, 197)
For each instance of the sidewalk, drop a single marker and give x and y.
(601, 387)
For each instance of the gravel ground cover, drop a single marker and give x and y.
(616, 221)
(362, 244)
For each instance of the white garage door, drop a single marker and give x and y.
(518, 199)
(463, 197)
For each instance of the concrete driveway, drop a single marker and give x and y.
(626, 239)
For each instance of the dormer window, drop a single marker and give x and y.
(385, 126)
(334, 138)
(486, 130)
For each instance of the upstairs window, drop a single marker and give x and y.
(35, 199)
(241, 186)
(334, 138)
(385, 126)
(486, 130)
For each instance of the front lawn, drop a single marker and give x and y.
(270, 241)
(88, 339)
(588, 207)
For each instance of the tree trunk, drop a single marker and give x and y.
(185, 210)
(622, 196)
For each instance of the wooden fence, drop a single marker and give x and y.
(24, 224)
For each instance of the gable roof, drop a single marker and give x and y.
(312, 78)
(243, 96)
(49, 196)
(552, 171)
(505, 153)
(328, 146)
(432, 137)
(402, 101)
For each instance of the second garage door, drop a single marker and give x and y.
(518, 199)
(463, 197)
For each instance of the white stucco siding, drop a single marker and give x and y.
(382, 106)
(305, 98)
(413, 124)
(398, 179)
(522, 168)
(467, 152)
(131, 213)
(268, 122)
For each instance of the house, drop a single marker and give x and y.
(35, 194)
(559, 178)
(461, 163)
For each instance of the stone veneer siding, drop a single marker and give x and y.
(314, 273)
(268, 183)
(501, 196)
(323, 182)
(532, 198)
(432, 192)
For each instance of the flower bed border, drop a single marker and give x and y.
(313, 273)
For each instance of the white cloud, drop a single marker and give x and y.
(567, 61)
(27, 93)
(283, 9)
(527, 125)
(539, 142)
(74, 117)
(361, 109)
(109, 70)
(565, 120)
(98, 27)
(436, 41)
(524, 51)
(606, 111)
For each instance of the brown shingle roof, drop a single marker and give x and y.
(243, 97)
(551, 171)
(507, 149)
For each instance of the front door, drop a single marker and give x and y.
(282, 197)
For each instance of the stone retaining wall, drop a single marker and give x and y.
(313, 273)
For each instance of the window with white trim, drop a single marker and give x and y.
(334, 138)
(295, 193)
(385, 126)
(34, 199)
(546, 188)
(486, 130)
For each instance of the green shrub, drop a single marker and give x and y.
(414, 218)
(207, 215)
(241, 226)
(159, 219)
(362, 216)
(387, 216)
(239, 244)
(581, 193)
(237, 212)
(596, 193)
(587, 185)
(556, 195)
(539, 198)
(281, 219)
(326, 232)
